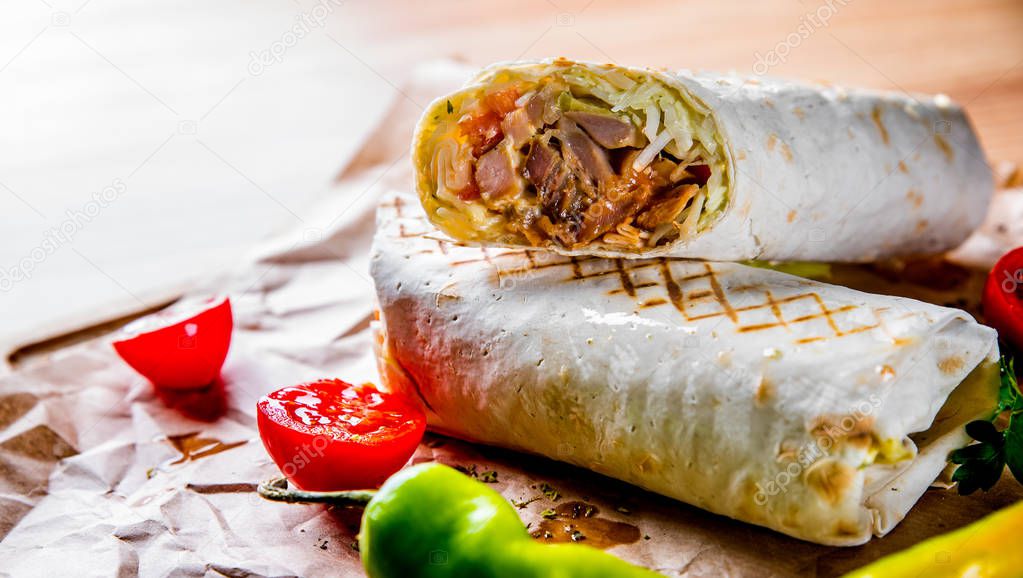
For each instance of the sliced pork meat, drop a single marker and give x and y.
(560, 168)
(617, 206)
(585, 157)
(667, 208)
(556, 187)
(539, 110)
(542, 107)
(495, 174)
(517, 128)
(580, 194)
(545, 170)
(542, 161)
(608, 130)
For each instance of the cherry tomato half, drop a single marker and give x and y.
(331, 435)
(186, 353)
(1003, 298)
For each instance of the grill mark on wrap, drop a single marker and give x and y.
(577, 271)
(945, 147)
(775, 309)
(625, 277)
(643, 285)
(827, 312)
(876, 115)
(674, 291)
(614, 272)
(719, 293)
(693, 301)
(489, 261)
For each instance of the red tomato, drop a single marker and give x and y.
(502, 102)
(700, 172)
(483, 127)
(483, 130)
(180, 354)
(331, 435)
(471, 191)
(1003, 298)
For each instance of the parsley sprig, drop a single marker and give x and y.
(981, 464)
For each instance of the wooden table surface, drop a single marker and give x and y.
(224, 121)
(971, 50)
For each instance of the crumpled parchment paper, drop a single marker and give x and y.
(100, 477)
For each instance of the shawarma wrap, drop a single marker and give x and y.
(606, 160)
(816, 410)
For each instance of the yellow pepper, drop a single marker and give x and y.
(991, 547)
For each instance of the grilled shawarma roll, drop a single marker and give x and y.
(813, 409)
(605, 160)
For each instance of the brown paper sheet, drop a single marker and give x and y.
(100, 477)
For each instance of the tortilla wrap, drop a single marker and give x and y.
(816, 410)
(605, 160)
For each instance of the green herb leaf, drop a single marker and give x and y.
(1011, 400)
(983, 431)
(550, 491)
(549, 513)
(522, 504)
(451, 108)
(982, 464)
(1009, 396)
(1014, 447)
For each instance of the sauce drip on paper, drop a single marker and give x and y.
(578, 522)
(192, 447)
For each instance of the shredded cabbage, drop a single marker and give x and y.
(647, 155)
(653, 120)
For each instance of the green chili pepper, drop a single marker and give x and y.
(431, 521)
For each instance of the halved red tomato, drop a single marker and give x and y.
(332, 435)
(180, 353)
(1003, 298)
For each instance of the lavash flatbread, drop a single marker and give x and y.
(754, 394)
(811, 172)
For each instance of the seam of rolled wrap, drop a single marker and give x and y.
(888, 501)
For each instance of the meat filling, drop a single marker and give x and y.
(569, 170)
